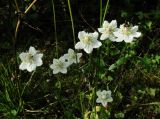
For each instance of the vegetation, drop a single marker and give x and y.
(115, 80)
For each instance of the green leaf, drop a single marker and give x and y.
(14, 112)
(112, 67)
(109, 78)
(119, 115)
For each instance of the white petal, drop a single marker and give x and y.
(108, 92)
(88, 49)
(32, 50)
(98, 100)
(39, 62)
(23, 66)
(52, 66)
(37, 59)
(110, 99)
(79, 45)
(77, 60)
(117, 34)
(120, 39)
(64, 71)
(104, 92)
(98, 93)
(81, 35)
(105, 24)
(62, 59)
(31, 67)
(137, 34)
(128, 39)
(134, 29)
(104, 103)
(101, 30)
(104, 36)
(55, 71)
(95, 35)
(66, 56)
(112, 38)
(22, 56)
(55, 61)
(113, 23)
(70, 50)
(67, 64)
(79, 55)
(40, 55)
(97, 44)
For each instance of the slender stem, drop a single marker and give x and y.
(17, 29)
(71, 17)
(29, 81)
(16, 5)
(101, 8)
(55, 29)
(30, 6)
(105, 11)
(140, 105)
(81, 102)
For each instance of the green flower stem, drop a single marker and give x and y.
(105, 11)
(81, 103)
(101, 9)
(71, 17)
(55, 29)
(29, 81)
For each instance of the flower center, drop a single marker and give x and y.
(60, 65)
(29, 58)
(87, 40)
(126, 31)
(103, 97)
(108, 30)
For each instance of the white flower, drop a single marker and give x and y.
(108, 29)
(59, 65)
(104, 97)
(72, 57)
(127, 33)
(88, 41)
(30, 60)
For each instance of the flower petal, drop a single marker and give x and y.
(101, 30)
(23, 66)
(95, 35)
(97, 44)
(81, 34)
(32, 50)
(37, 59)
(22, 56)
(31, 67)
(104, 103)
(88, 49)
(134, 29)
(104, 36)
(113, 24)
(79, 45)
(55, 71)
(64, 71)
(137, 34)
(105, 24)
(98, 100)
